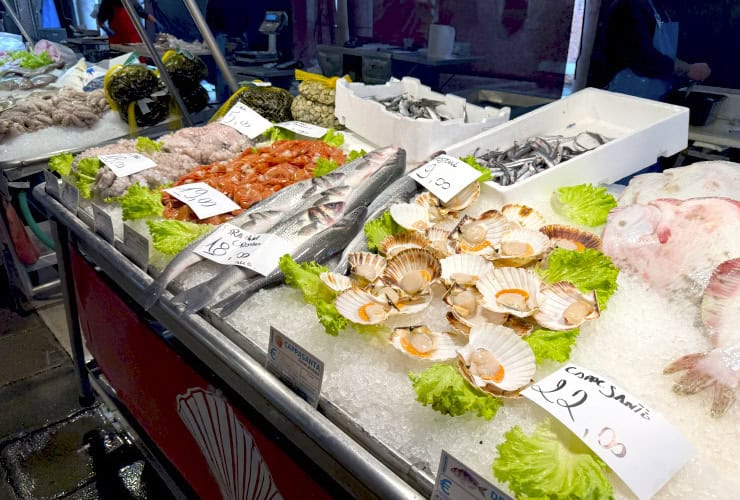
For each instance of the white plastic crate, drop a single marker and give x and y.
(421, 137)
(640, 130)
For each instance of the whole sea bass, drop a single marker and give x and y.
(319, 248)
(279, 205)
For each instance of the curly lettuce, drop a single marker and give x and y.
(61, 164)
(146, 145)
(442, 387)
(584, 203)
(279, 134)
(29, 60)
(550, 463)
(587, 269)
(379, 229)
(171, 236)
(324, 166)
(333, 138)
(84, 175)
(355, 154)
(550, 344)
(485, 173)
(140, 202)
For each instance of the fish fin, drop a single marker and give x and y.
(724, 397)
(687, 362)
(309, 229)
(230, 304)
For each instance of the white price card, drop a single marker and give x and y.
(445, 176)
(295, 367)
(70, 197)
(639, 444)
(103, 223)
(245, 120)
(303, 128)
(52, 184)
(455, 481)
(204, 200)
(125, 164)
(136, 246)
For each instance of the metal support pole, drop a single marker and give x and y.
(17, 21)
(157, 61)
(218, 57)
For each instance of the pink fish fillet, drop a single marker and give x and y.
(719, 367)
(674, 245)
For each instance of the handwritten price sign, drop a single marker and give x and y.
(125, 164)
(304, 129)
(456, 481)
(635, 441)
(245, 120)
(445, 176)
(203, 199)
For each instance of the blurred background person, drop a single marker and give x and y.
(120, 28)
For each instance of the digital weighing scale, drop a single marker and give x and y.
(274, 22)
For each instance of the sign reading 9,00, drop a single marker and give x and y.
(203, 200)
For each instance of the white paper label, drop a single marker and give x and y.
(303, 128)
(52, 184)
(639, 444)
(245, 120)
(455, 481)
(445, 176)
(70, 197)
(231, 245)
(103, 223)
(204, 200)
(137, 246)
(295, 367)
(125, 164)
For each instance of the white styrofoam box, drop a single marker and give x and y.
(640, 130)
(421, 137)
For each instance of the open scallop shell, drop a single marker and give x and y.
(404, 303)
(467, 311)
(398, 242)
(362, 307)
(410, 216)
(433, 206)
(522, 247)
(366, 267)
(497, 361)
(570, 238)
(481, 234)
(421, 342)
(335, 281)
(526, 217)
(464, 269)
(439, 242)
(564, 307)
(521, 326)
(464, 198)
(511, 290)
(412, 271)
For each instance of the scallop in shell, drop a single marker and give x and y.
(570, 238)
(422, 343)
(522, 247)
(564, 307)
(335, 281)
(464, 269)
(466, 309)
(511, 290)
(464, 198)
(432, 204)
(497, 361)
(439, 241)
(366, 267)
(526, 217)
(398, 242)
(412, 271)
(402, 302)
(362, 307)
(410, 216)
(481, 234)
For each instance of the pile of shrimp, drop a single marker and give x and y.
(254, 175)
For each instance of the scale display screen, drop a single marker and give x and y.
(271, 16)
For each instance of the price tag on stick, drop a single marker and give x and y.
(103, 223)
(203, 199)
(70, 197)
(445, 176)
(52, 184)
(455, 481)
(639, 444)
(125, 164)
(245, 120)
(295, 367)
(303, 128)
(137, 246)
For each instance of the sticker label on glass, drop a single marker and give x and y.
(640, 445)
(295, 367)
(303, 128)
(204, 200)
(455, 481)
(125, 164)
(445, 176)
(245, 120)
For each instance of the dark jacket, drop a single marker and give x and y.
(227, 16)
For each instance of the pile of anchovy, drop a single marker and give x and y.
(410, 107)
(535, 155)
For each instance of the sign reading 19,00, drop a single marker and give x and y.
(203, 199)
(445, 176)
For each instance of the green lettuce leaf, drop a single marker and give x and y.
(442, 387)
(84, 175)
(146, 145)
(324, 166)
(140, 202)
(171, 236)
(587, 269)
(551, 463)
(354, 154)
(485, 173)
(61, 164)
(30, 60)
(279, 134)
(584, 203)
(333, 138)
(379, 229)
(549, 344)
